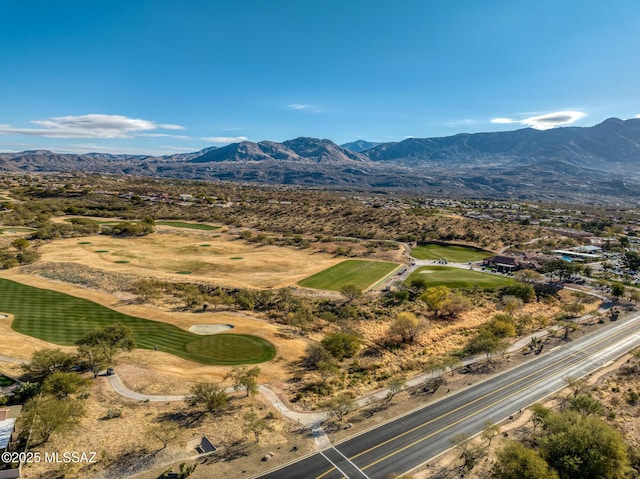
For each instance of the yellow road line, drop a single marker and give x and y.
(493, 392)
(470, 415)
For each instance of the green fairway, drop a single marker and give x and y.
(98, 222)
(363, 274)
(456, 254)
(174, 224)
(63, 319)
(459, 278)
(183, 224)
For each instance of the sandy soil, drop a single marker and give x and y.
(126, 439)
(170, 251)
(206, 329)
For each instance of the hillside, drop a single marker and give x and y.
(599, 163)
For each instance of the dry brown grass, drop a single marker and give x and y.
(125, 439)
(163, 254)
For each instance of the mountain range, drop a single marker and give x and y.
(598, 163)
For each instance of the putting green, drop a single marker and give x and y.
(62, 319)
(458, 278)
(454, 253)
(362, 274)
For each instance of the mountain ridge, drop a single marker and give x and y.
(569, 162)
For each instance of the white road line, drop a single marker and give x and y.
(356, 467)
(334, 465)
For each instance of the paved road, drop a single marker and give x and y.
(409, 441)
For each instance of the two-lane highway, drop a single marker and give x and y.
(414, 438)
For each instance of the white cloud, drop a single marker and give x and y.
(637, 116)
(225, 139)
(299, 106)
(165, 135)
(502, 120)
(546, 121)
(89, 126)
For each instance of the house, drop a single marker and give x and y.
(513, 261)
(8, 417)
(502, 263)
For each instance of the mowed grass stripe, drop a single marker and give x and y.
(458, 278)
(62, 319)
(174, 224)
(184, 224)
(453, 253)
(360, 273)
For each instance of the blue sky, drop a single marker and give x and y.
(167, 76)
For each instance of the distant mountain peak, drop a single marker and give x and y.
(359, 146)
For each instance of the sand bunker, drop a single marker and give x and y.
(4, 316)
(210, 328)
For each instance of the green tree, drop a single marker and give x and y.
(328, 369)
(583, 447)
(342, 344)
(110, 340)
(486, 342)
(256, 424)
(561, 268)
(631, 260)
(20, 244)
(209, 396)
(573, 309)
(585, 405)
(395, 385)
(340, 405)
(61, 385)
(511, 304)
(314, 354)
(92, 358)
(435, 297)
(408, 326)
(45, 362)
(617, 290)
(245, 378)
(490, 431)
(46, 416)
(516, 461)
(350, 292)
(454, 305)
(568, 327)
(501, 326)
(523, 291)
(26, 390)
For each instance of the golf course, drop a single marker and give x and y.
(63, 319)
(458, 278)
(362, 274)
(453, 253)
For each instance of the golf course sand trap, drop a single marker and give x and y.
(210, 328)
(3, 316)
